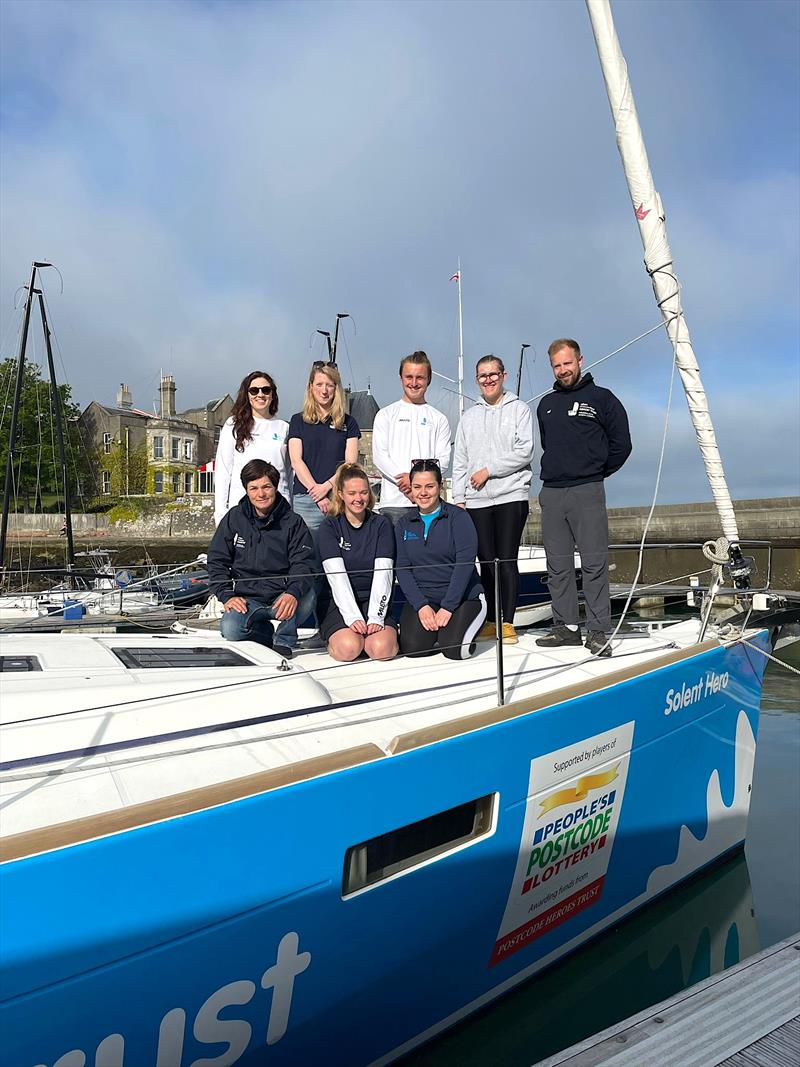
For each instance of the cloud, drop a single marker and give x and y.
(215, 181)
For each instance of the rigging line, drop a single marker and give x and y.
(343, 337)
(767, 655)
(14, 324)
(317, 728)
(67, 434)
(655, 498)
(617, 351)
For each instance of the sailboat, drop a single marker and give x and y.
(213, 855)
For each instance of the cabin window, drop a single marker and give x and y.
(398, 851)
(150, 657)
(187, 483)
(107, 443)
(18, 664)
(176, 448)
(187, 450)
(206, 481)
(158, 482)
(106, 483)
(158, 448)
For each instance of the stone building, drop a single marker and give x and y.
(140, 452)
(363, 406)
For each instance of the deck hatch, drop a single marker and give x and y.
(19, 664)
(149, 658)
(410, 846)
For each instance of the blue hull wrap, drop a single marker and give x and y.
(223, 937)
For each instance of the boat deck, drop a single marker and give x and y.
(87, 736)
(747, 1016)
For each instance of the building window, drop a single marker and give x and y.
(187, 483)
(158, 449)
(158, 482)
(107, 443)
(176, 484)
(175, 448)
(187, 450)
(106, 483)
(206, 481)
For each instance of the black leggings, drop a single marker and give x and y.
(456, 640)
(500, 530)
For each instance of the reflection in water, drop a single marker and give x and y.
(692, 932)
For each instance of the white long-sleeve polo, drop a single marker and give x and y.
(401, 433)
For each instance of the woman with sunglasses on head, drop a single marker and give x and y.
(436, 548)
(492, 479)
(321, 436)
(251, 432)
(356, 546)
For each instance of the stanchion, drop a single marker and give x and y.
(498, 614)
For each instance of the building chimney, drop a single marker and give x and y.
(124, 397)
(167, 396)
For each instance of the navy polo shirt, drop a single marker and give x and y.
(323, 446)
(358, 546)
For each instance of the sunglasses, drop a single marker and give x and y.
(323, 363)
(254, 390)
(418, 465)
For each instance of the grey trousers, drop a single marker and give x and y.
(576, 517)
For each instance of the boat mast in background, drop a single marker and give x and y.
(57, 413)
(457, 278)
(519, 372)
(658, 263)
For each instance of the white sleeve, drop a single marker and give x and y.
(381, 591)
(342, 590)
(380, 447)
(223, 469)
(442, 443)
(460, 460)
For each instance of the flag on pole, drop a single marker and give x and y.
(456, 277)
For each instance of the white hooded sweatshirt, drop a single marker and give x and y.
(499, 437)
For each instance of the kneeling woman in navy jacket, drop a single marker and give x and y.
(357, 550)
(445, 604)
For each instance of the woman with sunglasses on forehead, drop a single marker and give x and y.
(357, 550)
(251, 432)
(436, 548)
(492, 479)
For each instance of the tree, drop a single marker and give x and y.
(37, 466)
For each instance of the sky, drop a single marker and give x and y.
(216, 180)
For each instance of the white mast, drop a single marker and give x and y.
(460, 346)
(657, 256)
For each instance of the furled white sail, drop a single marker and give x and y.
(657, 256)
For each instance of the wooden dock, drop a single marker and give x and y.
(746, 1016)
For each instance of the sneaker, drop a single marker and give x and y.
(559, 637)
(509, 634)
(597, 643)
(487, 632)
(282, 650)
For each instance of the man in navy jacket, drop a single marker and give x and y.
(260, 563)
(585, 439)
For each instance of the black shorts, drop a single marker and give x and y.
(332, 620)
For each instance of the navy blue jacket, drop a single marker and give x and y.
(452, 539)
(251, 556)
(584, 434)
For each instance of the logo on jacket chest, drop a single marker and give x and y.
(239, 541)
(344, 545)
(409, 535)
(583, 411)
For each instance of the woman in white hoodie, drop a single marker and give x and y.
(252, 432)
(492, 479)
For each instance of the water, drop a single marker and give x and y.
(735, 910)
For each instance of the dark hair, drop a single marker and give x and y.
(426, 466)
(491, 359)
(242, 413)
(419, 358)
(259, 468)
(564, 342)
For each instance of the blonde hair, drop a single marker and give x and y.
(348, 472)
(310, 413)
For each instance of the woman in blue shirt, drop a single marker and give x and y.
(357, 550)
(436, 550)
